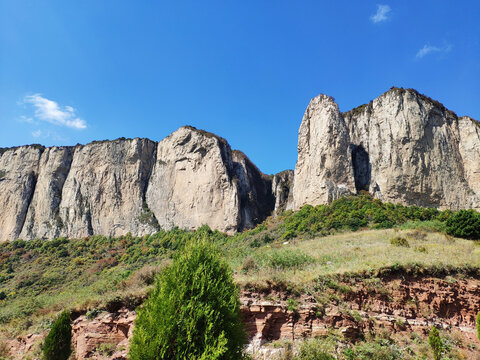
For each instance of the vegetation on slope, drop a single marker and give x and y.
(380, 347)
(40, 278)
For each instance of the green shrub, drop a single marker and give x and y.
(193, 311)
(314, 349)
(92, 314)
(57, 344)
(106, 349)
(287, 259)
(399, 241)
(265, 239)
(379, 350)
(292, 305)
(436, 343)
(249, 265)
(289, 234)
(355, 212)
(332, 284)
(464, 224)
(478, 325)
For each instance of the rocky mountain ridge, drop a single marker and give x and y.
(402, 147)
(188, 179)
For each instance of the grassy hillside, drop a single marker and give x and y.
(355, 235)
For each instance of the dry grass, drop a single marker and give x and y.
(365, 251)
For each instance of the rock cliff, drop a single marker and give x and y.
(197, 180)
(281, 189)
(402, 147)
(189, 179)
(399, 304)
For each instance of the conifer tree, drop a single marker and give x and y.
(193, 311)
(436, 343)
(58, 343)
(478, 326)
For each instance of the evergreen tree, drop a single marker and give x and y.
(478, 325)
(58, 343)
(193, 311)
(436, 343)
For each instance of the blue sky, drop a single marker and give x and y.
(76, 71)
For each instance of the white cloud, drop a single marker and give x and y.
(52, 112)
(26, 119)
(37, 133)
(381, 14)
(47, 134)
(428, 49)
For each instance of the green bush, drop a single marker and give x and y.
(399, 241)
(436, 343)
(464, 224)
(354, 212)
(478, 325)
(57, 344)
(292, 305)
(106, 349)
(193, 311)
(314, 349)
(287, 259)
(379, 350)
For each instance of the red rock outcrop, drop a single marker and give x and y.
(111, 329)
(396, 305)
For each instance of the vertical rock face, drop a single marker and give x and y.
(189, 179)
(324, 168)
(281, 188)
(196, 180)
(43, 219)
(104, 191)
(77, 191)
(255, 191)
(403, 147)
(18, 177)
(191, 184)
(470, 151)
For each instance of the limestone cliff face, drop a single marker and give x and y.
(281, 187)
(470, 152)
(324, 168)
(189, 179)
(43, 218)
(255, 191)
(18, 177)
(402, 147)
(197, 180)
(105, 187)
